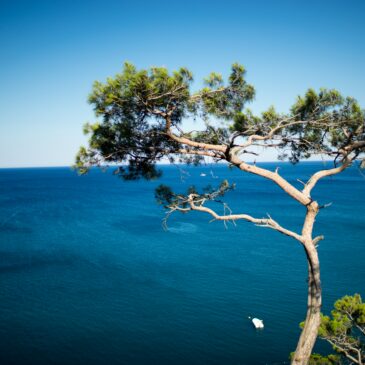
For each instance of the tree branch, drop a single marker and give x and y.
(188, 142)
(281, 125)
(197, 152)
(324, 173)
(273, 176)
(262, 222)
(343, 349)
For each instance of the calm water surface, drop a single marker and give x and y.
(89, 276)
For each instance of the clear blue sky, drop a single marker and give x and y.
(52, 51)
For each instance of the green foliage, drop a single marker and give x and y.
(345, 329)
(349, 311)
(331, 122)
(211, 134)
(225, 100)
(133, 106)
(246, 122)
(317, 359)
(164, 195)
(128, 132)
(136, 108)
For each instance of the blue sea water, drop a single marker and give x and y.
(89, 276)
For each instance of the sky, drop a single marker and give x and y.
(52, 51)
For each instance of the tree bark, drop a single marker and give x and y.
(313, 319)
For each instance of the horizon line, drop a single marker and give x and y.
(161, 164)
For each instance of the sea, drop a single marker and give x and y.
(90, 275)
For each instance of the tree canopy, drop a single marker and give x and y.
(141, 114)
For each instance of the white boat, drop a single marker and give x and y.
(258, 323)
(202, 174)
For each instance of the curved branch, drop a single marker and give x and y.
(188, 142)
(360, 328)
(273, 176)
(184, 151)
(317, 239)
(262, 222)
(324, 173)
(344, 350)
(281, 125)
(199, 96)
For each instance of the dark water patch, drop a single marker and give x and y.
(12, 228)
(182, 228)
(144, 225)
(27, 261)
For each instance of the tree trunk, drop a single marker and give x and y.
(313, 319)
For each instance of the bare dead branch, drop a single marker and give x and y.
(262, 222)
(317, 239)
